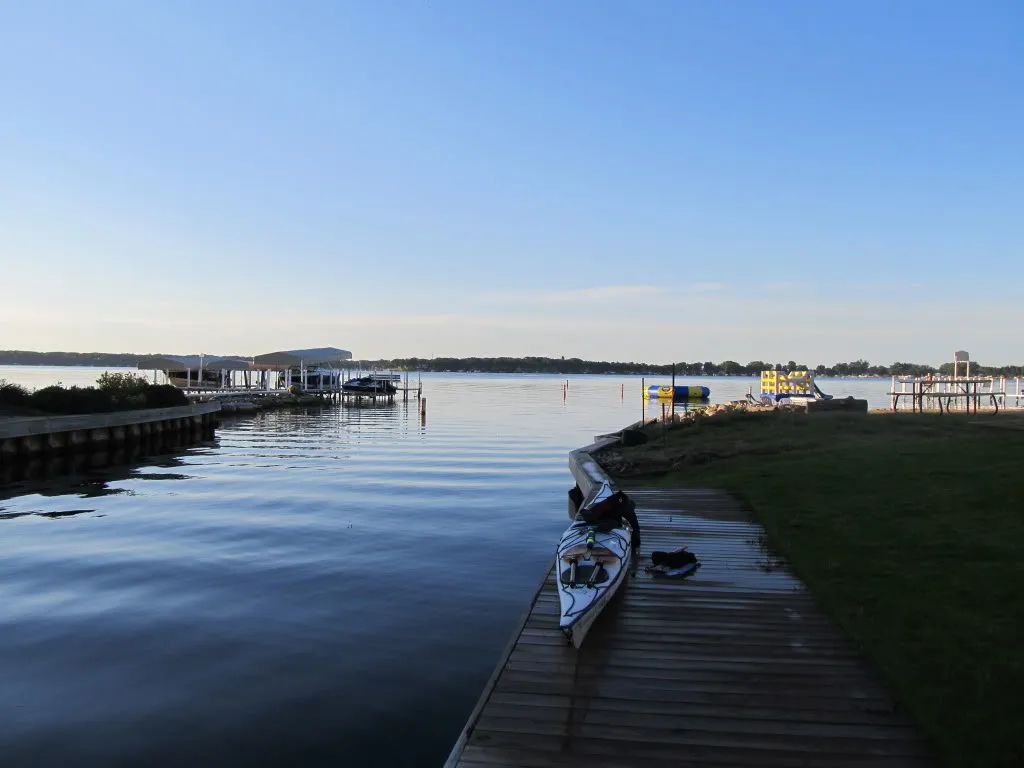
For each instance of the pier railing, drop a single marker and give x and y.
(954, 393)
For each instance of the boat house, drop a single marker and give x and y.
(320, 369)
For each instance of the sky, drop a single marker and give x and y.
(649, 181)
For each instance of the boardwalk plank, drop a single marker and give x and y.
(508, 748)
(635, 729)
(692, 705)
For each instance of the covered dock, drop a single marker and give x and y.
(320, 370)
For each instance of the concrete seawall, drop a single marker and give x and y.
(589, 475)
(24, 439)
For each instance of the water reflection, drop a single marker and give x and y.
(89, 475)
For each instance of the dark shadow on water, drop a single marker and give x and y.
(90, 475)
(65, 513)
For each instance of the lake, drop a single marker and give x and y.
(318, 587)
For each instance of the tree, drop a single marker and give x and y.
(754, 367)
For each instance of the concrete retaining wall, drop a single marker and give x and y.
(589, 475)
(22, 439)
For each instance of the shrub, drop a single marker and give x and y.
(116, 392)
(122, 383)
(58, 399)
(126, 390)
(13, 394)
(164, 396)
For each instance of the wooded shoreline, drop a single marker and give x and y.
(572, 365)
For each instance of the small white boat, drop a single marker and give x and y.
(592, 564)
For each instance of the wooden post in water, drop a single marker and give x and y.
(673, 391)
(643, 402)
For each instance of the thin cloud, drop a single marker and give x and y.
(778, 286)
(605, 293)
(581, 295)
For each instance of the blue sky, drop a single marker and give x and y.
(655, 180)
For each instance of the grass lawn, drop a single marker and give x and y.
(908, 529)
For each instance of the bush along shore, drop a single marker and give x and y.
(907, 529)
(126, 392)
(113, 392)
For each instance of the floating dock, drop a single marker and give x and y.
(734, 666)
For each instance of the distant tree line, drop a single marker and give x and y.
(97, 359)
(567, 365)
(572, 365)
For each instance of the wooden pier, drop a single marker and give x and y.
(735, 666)
(948, 394)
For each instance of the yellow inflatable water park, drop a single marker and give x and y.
(794, 387)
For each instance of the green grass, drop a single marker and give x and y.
(909, 530)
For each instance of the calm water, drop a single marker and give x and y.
(331, 586)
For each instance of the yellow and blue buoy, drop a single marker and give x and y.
(678, 393)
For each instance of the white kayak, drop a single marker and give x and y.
(591, 566)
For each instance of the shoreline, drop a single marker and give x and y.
(904, 528)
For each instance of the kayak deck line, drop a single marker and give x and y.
(735, 665)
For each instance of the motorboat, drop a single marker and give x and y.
(368, 385)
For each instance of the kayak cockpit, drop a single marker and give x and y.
(585, 574)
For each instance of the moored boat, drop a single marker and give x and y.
(593, 560)
(368, 385)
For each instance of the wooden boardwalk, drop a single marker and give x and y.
(735, 666)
